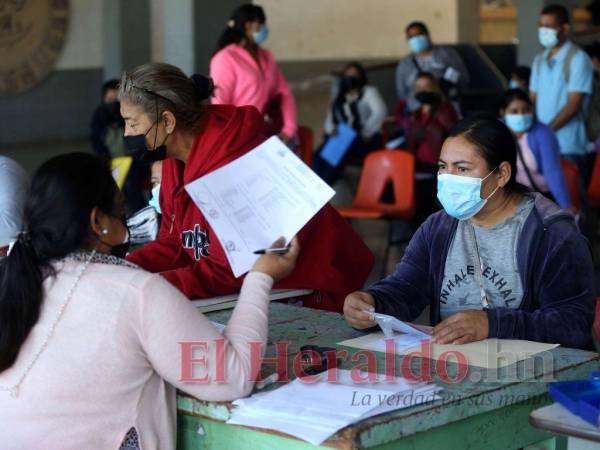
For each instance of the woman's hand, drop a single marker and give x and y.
(357, 307)
(278, 266)
(461, 328)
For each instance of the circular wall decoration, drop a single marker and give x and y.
(32, 35)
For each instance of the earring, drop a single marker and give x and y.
(104, 231)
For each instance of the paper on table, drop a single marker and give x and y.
(315, 411)
(489, 353)
(388, 323)
(266, 194)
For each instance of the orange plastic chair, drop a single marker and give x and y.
(306, 144)
(594, 187)
(572, 178)
(381, 168)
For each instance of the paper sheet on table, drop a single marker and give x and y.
(315, 411)
(261, 196)
(489, 353)
(337, 146)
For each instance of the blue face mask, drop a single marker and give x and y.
(519, 123)
(461, 196)
(548, 37)
(514, 84)
(261, 35)
(418, 43)
(154, 199)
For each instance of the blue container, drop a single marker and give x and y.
(581, 397)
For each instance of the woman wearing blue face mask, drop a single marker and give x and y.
(244, 73)
(538, 158)
(498, 262)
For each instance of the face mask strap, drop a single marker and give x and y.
(497, 187)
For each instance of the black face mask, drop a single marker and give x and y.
(427, 98)
(348, 83)
(137, 145)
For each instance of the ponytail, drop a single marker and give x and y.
(20, 298)
(63, 193)
(235, 32)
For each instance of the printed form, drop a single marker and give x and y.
(266, 194)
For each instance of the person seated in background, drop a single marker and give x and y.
(14, 183)
(96, 340)
(497, 262)
(538, 154)
(519, 78)
(107, 129)
(166, 113)
(443, 62)
(427, 128)
(107, 124)
(360, 106)
(245, 73)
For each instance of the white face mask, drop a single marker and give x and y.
(548, 37)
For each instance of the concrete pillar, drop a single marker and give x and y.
(467, 14)
(210, 19)
(126, 35)
(172, 36)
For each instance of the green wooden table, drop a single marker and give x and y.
(475, 414)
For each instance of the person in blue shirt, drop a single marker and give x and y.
(560, 87)
(538, 158)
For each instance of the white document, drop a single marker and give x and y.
(315, 411)
(266, 194)
(389, 324)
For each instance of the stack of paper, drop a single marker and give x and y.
(315, 411)
(229, 301)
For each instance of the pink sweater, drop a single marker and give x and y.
(240, 81)
(114, 360)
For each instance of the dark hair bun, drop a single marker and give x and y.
(203, 87)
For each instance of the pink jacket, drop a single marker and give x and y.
(114, 360)
(240, 81)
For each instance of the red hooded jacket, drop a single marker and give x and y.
(333, 260)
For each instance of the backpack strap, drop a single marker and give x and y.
(568, 59)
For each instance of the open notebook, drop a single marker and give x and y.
(228, 301)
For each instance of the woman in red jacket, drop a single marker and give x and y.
(166, 113)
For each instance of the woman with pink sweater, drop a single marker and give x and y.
(90, 344)
(244, 73)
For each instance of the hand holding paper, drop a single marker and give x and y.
(265, 194)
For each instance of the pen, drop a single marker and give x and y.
(277, 251)
(267, 381)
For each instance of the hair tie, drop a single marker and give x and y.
(23, 238)
(231, 23)
(203, 87)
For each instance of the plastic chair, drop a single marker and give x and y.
(594, 187)
(381, 168)
(306, 144)
(120, 169)
(572, 178)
